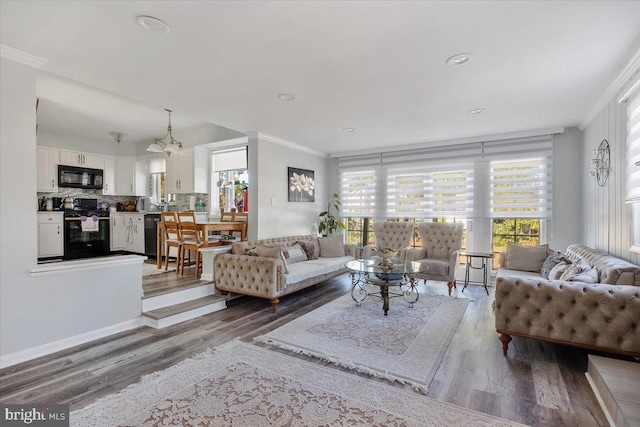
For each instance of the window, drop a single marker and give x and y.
(358, 193)
(633, 167)
(524, 231)
(360, 231)
(229, 181)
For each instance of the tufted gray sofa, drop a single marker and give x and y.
(441, 243)
(603, 316)
(266, 278)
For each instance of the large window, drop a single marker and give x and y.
(524, 231)
(360, 231)
(229, 181)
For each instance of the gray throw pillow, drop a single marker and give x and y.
(308, 247)
(272, 252)
(526, 258)
(294, 254)
(552, 260)
(331, 246)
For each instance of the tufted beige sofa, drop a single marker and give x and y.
(603, 316)
(266, 278)
(440, 251)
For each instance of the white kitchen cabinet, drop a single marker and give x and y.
(127, 232)
(109, 176)
(50, 234)
(78, 158)
(117, 231)
(135, 232)
(187, 172)
(125, 176)
(47, 167)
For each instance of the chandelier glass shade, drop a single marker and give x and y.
(167, 144)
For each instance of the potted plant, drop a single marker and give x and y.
(329, 220)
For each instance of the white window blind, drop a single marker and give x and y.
(633, 150)
(359, 185)
(429, 193)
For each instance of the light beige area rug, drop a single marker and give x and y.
(405, 346)
(239, 384)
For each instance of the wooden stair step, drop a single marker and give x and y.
(182, 307)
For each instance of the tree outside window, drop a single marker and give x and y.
(524, 231)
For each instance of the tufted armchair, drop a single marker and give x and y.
(441, 243)
(390, 234)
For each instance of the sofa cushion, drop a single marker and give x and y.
(575, 269)
(526, 258)
(437, 267)
(272, 252)
(552, 260)
(557, 270)
(303, 270)
(309, 248)
(503, 272)
(293, 254)
(331, 246)
(331, 264)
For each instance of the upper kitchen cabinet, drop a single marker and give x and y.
(48, 159)
(187, 172)
(109, 176)
(77, 158)
(130, 177)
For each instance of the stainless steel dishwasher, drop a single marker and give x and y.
(151, 233)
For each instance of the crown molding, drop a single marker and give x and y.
(284, 142)
(627, 72)
(443, 143)
(21, 57)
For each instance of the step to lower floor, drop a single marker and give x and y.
(181, 312)
(616, 386)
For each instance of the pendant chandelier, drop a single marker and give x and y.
(164, 145)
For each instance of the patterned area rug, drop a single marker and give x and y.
(405, 346)
(241, 384)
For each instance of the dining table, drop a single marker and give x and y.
(205, 228)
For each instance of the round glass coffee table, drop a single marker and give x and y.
(382, 275)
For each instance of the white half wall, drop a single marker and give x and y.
(40, 309)
(272, 215)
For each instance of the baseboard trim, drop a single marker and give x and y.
(596, 392)
(65, 343)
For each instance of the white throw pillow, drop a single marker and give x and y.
(557, 270)
(576, 268)
(294, 254)
(588, 276)
(526, 258)
(331, 246)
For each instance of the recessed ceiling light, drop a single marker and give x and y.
(349, 130)
(477, 111)
(459, 59)
(287, 97)
(150, 23)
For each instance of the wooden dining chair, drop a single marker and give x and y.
(191, 240)
(172, 237)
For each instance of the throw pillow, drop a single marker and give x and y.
(308, 247)
(331, 246)
(552, 260)
(588, 276)
(576, 268)
(558, 269)
(294, 254)
(272, 252)
(526, 258)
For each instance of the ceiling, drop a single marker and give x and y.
(376, 66)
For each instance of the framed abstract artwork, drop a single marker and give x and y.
(302, 185)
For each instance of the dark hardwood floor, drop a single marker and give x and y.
(539, 384)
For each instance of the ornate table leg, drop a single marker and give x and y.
(384, 292)
(358, 292)
(411, 294)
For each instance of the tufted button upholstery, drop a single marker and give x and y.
(390, 235)
(598, 315)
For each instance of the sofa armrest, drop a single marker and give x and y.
(247, 274)
(353, 249)
(597, 315)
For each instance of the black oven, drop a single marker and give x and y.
(86, 230)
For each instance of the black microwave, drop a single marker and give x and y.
(77, 177)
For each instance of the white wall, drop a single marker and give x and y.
(268, 163)
(607, 218)
(39, 310)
